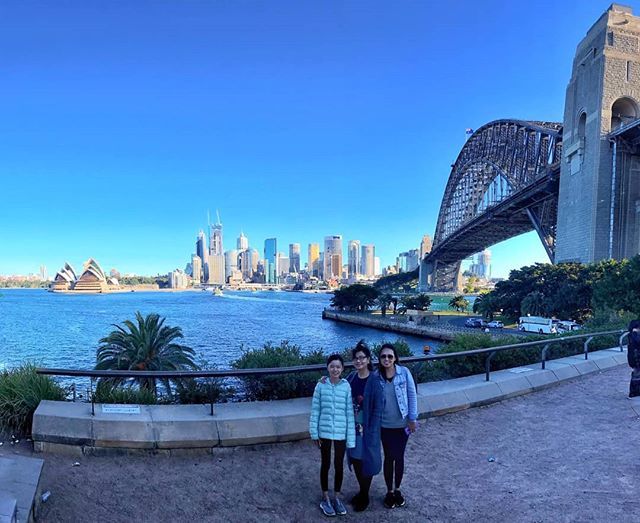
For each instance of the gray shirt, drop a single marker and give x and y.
(391, 417)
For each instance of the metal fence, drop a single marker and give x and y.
(239, 373)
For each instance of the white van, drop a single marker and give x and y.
(567, 326)
(537, 324)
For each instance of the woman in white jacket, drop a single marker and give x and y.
(332, 424)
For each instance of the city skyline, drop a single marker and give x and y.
(299, 121)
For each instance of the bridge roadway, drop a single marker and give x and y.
(566, 453)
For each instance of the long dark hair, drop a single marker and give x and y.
(362, 346)
(389, 346)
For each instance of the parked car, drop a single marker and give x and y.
(475, 323)
(495, 324)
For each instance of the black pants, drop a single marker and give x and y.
(634, 386)
(339, 448)
(363, 481)
(394, 443)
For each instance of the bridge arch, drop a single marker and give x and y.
(503, 183)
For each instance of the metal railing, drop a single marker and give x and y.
(239, 373)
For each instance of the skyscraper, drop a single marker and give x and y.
(243, 242)
(230, 262)
(196, 268)
(353, 257)
(216, 254)
(203, 254)
(313, 260)
(368, 260)
(332, 257)
(294, 257)
(271, 260)
(284, 265)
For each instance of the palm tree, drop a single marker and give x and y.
(459, 303)
(147, 345)
(384, 301)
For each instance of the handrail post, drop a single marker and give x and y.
(211, 394)
(586, 347)
(622, 336)
(543, 356)
(73, 388)
(93, 400)
(487, 365)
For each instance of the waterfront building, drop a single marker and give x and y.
(271, 260)
(254, 257)
(216, 274)
(178, 279)
(353, 259)
(235, 278)
(482, 267)
(196, 268)
(246, 263)
(376, 266)
(294, 257)
(216, 269)
(203, 254)
(64, 279)
(230, 263)
(425, 246)
(215, 239)
(408, 261)
(313, 260)
(93, 278)
(368, 260)
(243, 242)
(284, 265)
(321, 265)
(332, 257)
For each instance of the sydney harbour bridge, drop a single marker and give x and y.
(576, 183)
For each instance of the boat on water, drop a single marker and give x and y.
(217, 292)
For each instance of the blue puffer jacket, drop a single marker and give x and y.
(332, 412)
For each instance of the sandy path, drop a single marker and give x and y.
(560, 455)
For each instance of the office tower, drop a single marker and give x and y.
(178, 279)
(294, 257)
(376, 265)
(271, 260)
(368, 260)
(284, 265)
(425, 246)
(353, 257)
(203, 253)
(243, 242)
(408, 261)
(248, 263)
(196, 268)
(255, 259)
(230, 263)
(332, 257)
(216, 255)
(483, 267)
(313, 260)
(321, 265)
(43, 273)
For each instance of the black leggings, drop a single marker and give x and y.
(339, 448)
(363, 481)
(394, 443)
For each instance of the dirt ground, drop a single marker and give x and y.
(568, 453)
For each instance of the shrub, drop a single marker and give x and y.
(21, 391)
(202, 390)
(107, 392)
(280, 386)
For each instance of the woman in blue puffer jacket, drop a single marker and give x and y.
(332, 424)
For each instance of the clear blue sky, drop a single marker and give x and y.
(121, 123)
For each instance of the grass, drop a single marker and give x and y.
(21, 391)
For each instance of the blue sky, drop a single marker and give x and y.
(121, 123)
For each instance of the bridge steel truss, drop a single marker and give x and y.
(504, 183)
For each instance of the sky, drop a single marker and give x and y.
(123, 122)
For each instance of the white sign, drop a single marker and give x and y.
(521, 369)
(121, 409)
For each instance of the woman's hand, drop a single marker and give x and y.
(413, 426)
(318, 443)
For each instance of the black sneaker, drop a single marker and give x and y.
(397, 496)
(362, 504)
(390, 500)
(355, 500)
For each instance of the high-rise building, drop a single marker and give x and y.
(353, 257)
(254, 258)
(482, 268)
(368, 260)
(230, 263)
(376, 265)
(203, 253)
(271, 260)
(43, 273)
(408, 261)
(248, 263)
(321, 265)
(284, 265)
(313, 260)
(425, 246)
(196, 268)
(178, 279)
(332, 257)
(216, 255)
(215, 238)
(294, 257)
(243, 242)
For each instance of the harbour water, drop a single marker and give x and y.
(63, 330)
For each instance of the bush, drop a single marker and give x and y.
(107, 392)
(21, 391)
(202, 390)
(281, 386)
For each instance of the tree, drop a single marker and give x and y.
(486, 304)
(618, 287)
(384, 301)
(356, 297)
(418, 302)
(145, 345)
(459, 303)
(534, 304)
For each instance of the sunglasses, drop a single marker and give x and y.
(386, 356)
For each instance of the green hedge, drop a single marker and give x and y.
(21, 391)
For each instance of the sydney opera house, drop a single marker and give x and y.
(93, 279)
